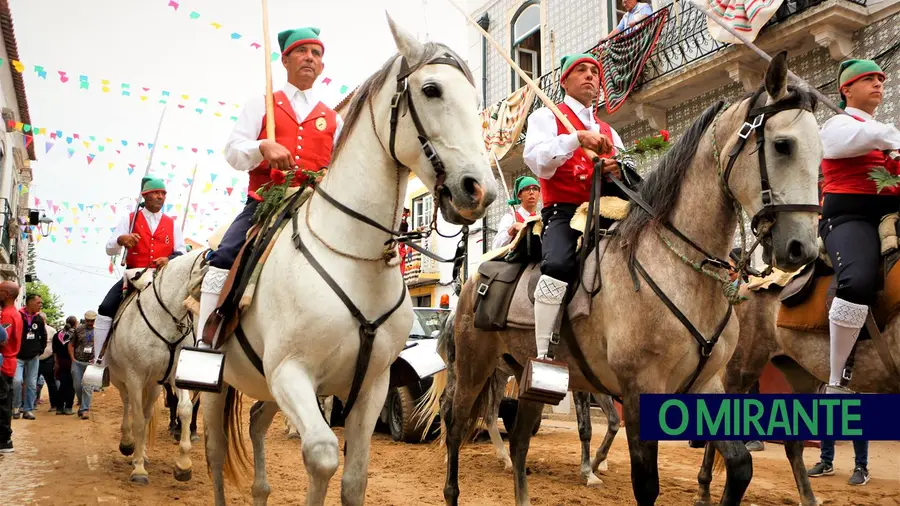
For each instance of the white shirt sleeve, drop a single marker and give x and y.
(179, 241)
(502, 237)
(545, 150)
(338, 129)
(112, 245)
(617, 141)
(845, 137)
(242, 148)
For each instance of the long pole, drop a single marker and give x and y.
(765, 56)
(190, 192)
(270, 106)
(503, 181)
(528, 81)
(137, 202)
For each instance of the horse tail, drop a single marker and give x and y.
(237, 464)
(151, 425)
(429, 406)
(718, 464)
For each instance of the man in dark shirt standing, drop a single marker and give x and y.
(34, 340)
(82, 352)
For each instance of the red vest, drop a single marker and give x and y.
(152, 245)
(851, 175)
(310, 142)
(566, 186)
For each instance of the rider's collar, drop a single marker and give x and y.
(853, 111)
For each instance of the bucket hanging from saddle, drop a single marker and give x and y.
(544, 380)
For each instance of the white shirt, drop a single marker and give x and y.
(124, 228)
(506, 222)
(845, 137)
(242, 148)
(545, 150)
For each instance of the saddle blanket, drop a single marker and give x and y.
(521, 309)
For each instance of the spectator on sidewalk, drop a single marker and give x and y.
(34, 338)
(11, 322)
(64, 358)
(45, 369)
(825, 467)
(82, 351)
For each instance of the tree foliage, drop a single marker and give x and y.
(52, 307)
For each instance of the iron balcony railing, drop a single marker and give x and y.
(683, 41)
(9, 221)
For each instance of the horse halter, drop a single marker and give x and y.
(755, 122)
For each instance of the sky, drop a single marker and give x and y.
(199, 56)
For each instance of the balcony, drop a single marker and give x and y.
(418, 268)
(9, 247)
(687, 61)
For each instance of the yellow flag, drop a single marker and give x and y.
(18, 65)
(110, 165)
(207, 188)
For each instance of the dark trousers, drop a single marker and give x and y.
(112, 301)
(6, 398)
(558, 243)
(45, 370)
(65, 397)
(235, 237)
(849, 227)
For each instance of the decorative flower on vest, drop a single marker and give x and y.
(273, 192)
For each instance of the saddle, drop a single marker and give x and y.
(507, 276)
(806, 296)
(240, 285)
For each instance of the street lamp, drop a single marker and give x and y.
(44, 225)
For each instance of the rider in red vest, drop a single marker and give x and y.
(152, 243)
(565, 171)
(852, 208)
(306, 131)
(527, 195)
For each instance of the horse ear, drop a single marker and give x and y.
(407, 45)
(776, 76)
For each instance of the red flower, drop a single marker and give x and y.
(277, 176)
(665, 135)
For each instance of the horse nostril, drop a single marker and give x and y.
(469, 185)
(795, 250)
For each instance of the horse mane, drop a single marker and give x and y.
(374, 83)
(661, 187)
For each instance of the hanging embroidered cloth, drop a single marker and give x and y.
(747, 17)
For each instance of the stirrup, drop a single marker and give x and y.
(200, 369)
(96, 375)
(837, 389)
(544, 380)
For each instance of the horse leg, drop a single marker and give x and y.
(195, 437)
(126, 442)
(183, 465)
(172, 404)
(463, 389)
(527, 415)
(151, 394)
(612, 428)
(358, 429)
(214, 432)
(296, 395)
(261, 416)
(583, 415)
(704, 477)
(491, 421)
(644, 454)
(801, 382)
(738, 470)
(139, 427)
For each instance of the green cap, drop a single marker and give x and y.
(569, 62)
(152, 184)
(851, 71)
(521, 182)
(290, 39)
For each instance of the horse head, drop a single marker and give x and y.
(775, 176)
(438, 132)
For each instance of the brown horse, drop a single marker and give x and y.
(632, 341)
(803, 357)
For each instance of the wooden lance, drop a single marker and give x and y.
(503, 181)
(138, 204)
(765, 56)
(190, 192)
(270, 104)
(528, 81)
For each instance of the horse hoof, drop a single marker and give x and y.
(593, 481)
(602, 467)
(182, 474)
(195, 438)
(294, 435)
(126, 450)
(140, 479)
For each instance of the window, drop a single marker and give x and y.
(422, 211)
(617, 11)
(526, 41)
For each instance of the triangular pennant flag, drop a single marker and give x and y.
(212, 177)
(130, 170)
(81, 206)
(90, 158)
(173, 4)
(71, 152)
(229, 190)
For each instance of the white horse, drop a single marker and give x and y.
(150, 331)
(307, 340)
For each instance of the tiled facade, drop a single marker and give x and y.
(816, 66)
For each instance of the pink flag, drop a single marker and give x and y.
(173, 4)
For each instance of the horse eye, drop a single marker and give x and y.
(432, 90)
(784, 146)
